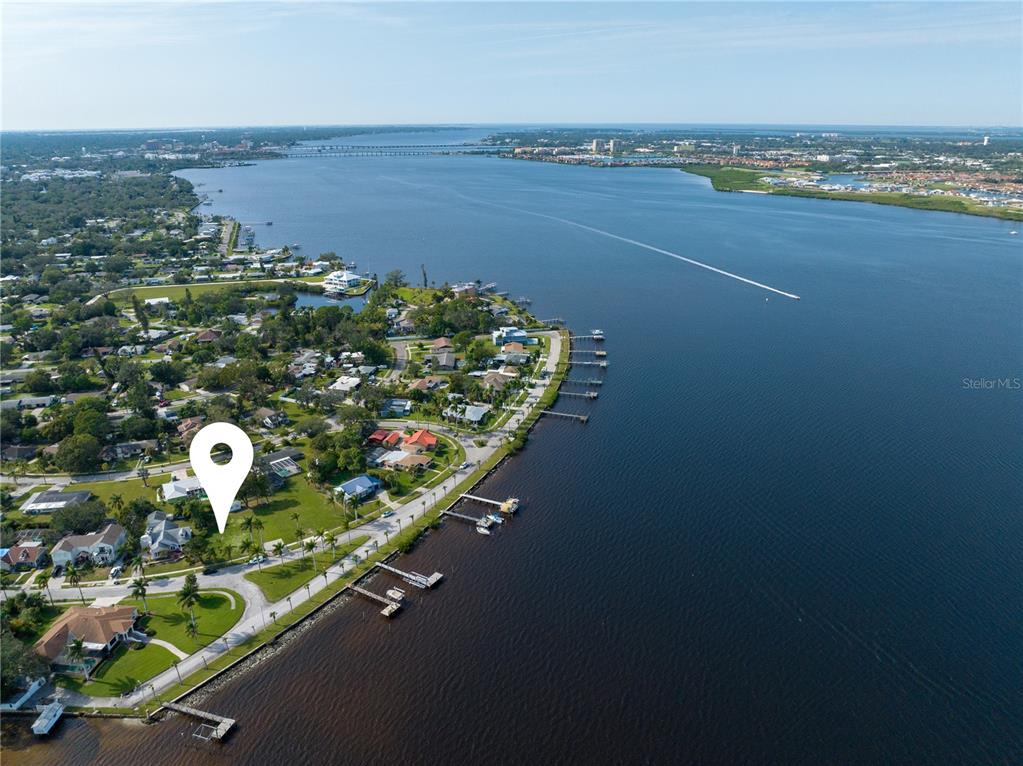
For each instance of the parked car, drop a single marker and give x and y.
(259, 558)
(211, 569)
(115, 572)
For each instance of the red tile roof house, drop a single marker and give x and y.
(514, 346)
(420, 441)
(392, 439)
(377, 437)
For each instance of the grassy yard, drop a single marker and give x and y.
(128, 489)
(297, 496)
(213, 613)
(123, 671)
(279, 580)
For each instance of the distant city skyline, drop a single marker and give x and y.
(95, 66)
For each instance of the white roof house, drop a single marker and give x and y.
(345, 384)
(336, 281)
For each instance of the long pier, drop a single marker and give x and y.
(508, 506)
(588, 364)
(594, 351)
(580, 394)
(580, 418)
(463, 516)
(586, 337)
(413, 578)
(580, 382)
(221, 725)
(390, 607)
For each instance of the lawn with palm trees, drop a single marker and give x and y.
(125, 669)
(279, 580)
(214, 616)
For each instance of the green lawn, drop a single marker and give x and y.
(123, 671)
(128, 489)
(297, 496)
(177, 292)
(213, 613)
(279, 580)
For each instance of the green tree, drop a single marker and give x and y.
(139, 588)
(188, 596)
(74, 577)
(78, 454)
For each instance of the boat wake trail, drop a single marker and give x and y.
(637, 243)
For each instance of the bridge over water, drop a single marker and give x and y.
(391, 150)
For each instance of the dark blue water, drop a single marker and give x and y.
(789, 533)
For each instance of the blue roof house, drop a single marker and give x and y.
(359, 487)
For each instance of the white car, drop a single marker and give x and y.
(465, 466)
(259, 558)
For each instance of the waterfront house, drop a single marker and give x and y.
(100, 629)
(339, 281)
(163, 537)
(98, 547)
(359, 488)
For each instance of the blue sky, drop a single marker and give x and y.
(98, 65)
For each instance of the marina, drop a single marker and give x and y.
(390, 607)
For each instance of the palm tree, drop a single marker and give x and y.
(257, 525)
(310, 547)
(279, 550)
(138, 563)
(143, 473)
(75, 578)
(76, 653)
(139, 586)
(331, 541)
(247, 526)
(188, 596)
(44, 578)
(249, 546)
(228, 550)
(192, 628)
(116, 502)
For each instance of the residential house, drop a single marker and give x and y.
(280, 464)
(441, 344)
(495, 381)
(207, 336)
(126, 450)
(396, 408)
(270, 418)
(20, 452)
(189, 385)
(49, 501)
(359, 488)
(414, 463)
(443, 361)
(181, 489)
(30, 554)
(345, 384)
(392, 440)
(189, 427)
(99, 547)
(377, 437)
(420, 441)
(339, 281)
(99, 628)
(429, 383)
(163, 537)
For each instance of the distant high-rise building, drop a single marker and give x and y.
(986, 140)
(735, 150)
(613, 145)
(596, 146)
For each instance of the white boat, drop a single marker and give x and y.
(482, 530)
(495, 518)
(48, 718)
(395, 594)
(596, 332)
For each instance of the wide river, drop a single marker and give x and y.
(790, 532)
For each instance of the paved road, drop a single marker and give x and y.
(258, 609)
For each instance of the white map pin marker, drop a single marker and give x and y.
(221, 482)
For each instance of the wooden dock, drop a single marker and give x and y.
(220, 725)
(597, 338)
(594, 351)
(463, 516)
(580, 418)
(390, 607)
(579, 394)
(507, 506)
(580, 382)
(413, 578)
(587, 364)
